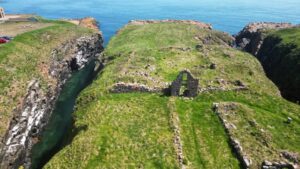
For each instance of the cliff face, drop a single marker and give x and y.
(251, 37)
(31, 117)
(276, 45)
(280, 57)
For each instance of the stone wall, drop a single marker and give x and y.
(122, 87)
(277, 165)
(173, 90)
(286, 160)
(191, 84)
(237, 148)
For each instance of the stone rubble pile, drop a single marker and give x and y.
(294, 157)
(277, 165)
(177, 140)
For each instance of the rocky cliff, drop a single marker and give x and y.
(251, 37)
(276, 45)
(31, 117)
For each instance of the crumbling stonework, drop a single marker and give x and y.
(175, 124)
(191, 85)
(122, 87)
(294, 157)
(277, 165)
(211, 89)
(285, 159)
(244, 159)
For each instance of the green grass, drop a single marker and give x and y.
(205, 143)
(271, 134)
(133, 130)
(28, 57)
(149, 45)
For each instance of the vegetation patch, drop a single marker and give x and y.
(133, 130)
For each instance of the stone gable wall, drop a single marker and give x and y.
(192, 85)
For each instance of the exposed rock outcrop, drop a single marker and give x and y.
(251, 37)
(279, 58)
(31, 118)
(88, 22)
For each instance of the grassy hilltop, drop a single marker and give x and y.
(28, 57)
(136, 130)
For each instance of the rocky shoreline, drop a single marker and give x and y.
(31, 118)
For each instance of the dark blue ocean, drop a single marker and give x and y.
(224, 15)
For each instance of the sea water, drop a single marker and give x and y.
(225, 15)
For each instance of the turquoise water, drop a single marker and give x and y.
(60, 131)
(225, 15)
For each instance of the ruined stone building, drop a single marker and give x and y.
(2, 15)
(185, 85)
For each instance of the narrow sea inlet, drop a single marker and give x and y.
(59, 131)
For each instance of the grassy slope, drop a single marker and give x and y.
(27, 57)
(280, 56)
(133, 130)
